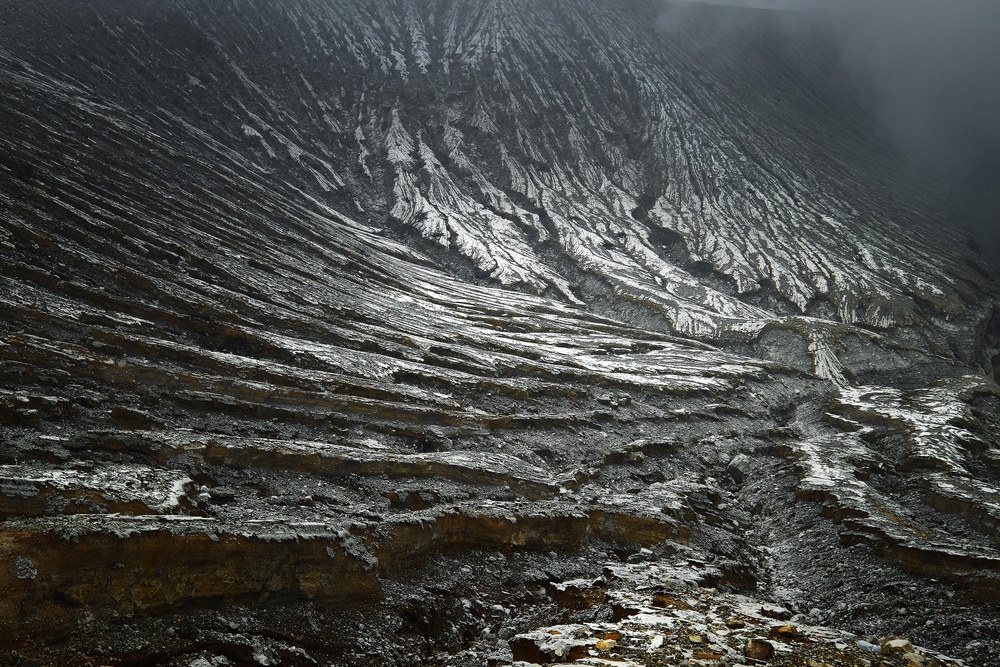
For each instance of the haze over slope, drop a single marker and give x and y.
(927, 69)
(373, 282)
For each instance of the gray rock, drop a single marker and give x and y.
(737, 468)
(23, 568)
(868, 646)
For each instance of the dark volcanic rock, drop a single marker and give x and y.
(422, 320)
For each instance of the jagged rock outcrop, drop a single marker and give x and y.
(311, 308)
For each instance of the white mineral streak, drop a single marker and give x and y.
(554, 172)
(782, 231)
(930, 421)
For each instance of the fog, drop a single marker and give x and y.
(931, 69)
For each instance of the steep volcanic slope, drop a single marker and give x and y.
(308, 304)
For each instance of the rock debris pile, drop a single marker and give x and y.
(659, 619)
